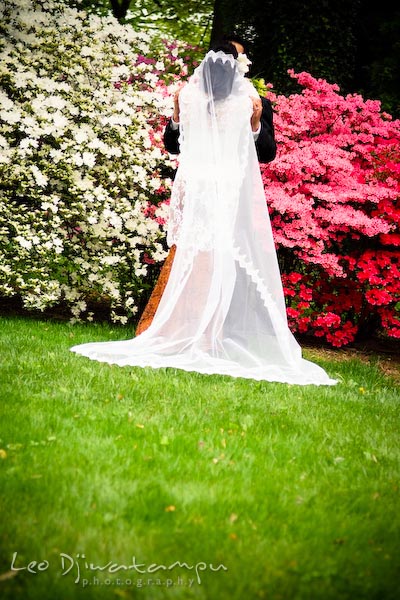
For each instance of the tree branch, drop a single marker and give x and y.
(119, 9)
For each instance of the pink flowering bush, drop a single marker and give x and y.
(333, 194)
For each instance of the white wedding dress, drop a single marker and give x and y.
(223, 308)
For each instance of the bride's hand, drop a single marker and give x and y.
(256, 116)
(176, 103)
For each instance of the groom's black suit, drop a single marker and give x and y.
(265, 143)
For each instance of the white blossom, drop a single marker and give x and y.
(56, 155)
(80, 136)
(243, 63)
(111, 260)
(28, 142)
(23, 242)
(10, 116)
(86, 51)
(85, 164)
(88, 159)
(40, 178)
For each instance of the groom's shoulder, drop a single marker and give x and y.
(266, 102)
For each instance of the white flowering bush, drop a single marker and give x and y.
(82, 205)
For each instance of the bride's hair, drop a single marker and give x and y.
(218, 74)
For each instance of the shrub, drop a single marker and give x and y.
(333, 194)
(82, 108)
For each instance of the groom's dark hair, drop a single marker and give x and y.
(234, 37)
(224, 46)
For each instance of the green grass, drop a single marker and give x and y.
(293, 489)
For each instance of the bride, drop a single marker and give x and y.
(223, 309)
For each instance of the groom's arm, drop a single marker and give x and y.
(265, 143)
(171, 135)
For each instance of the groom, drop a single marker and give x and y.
(261, 119)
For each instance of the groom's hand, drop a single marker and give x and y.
(256, 116)
(176, 103)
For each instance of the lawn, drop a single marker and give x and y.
(152, 484)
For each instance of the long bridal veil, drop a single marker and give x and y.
(223, 309)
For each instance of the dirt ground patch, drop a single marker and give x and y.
(382, 352)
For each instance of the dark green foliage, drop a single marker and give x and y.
(351, 42)
(378, 55)
(312, 36)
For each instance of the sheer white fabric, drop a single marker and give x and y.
(223, 309)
